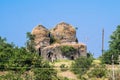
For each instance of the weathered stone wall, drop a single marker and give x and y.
(56, 52)
(51, 52)
(42, 38)
(64, 34)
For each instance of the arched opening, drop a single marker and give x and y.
(49, 55)
(72, 57)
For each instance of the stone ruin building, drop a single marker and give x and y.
(62, 34)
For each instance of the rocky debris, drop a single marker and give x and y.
(62, 35)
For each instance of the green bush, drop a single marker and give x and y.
(63, 67)
(114, 48)
(67, 50)
(11, 76)
(81, 65)
(46, 72)
(98, 71)
(20, 60)
(106, 57)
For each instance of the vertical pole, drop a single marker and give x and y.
(113, 73)
(102, 41)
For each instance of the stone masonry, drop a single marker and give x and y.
(64, 35)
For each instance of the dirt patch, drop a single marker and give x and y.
(68, 74)
(3, 73)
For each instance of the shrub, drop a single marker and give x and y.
(45, 72)
(63, 67)
(11, 76)
(68, 50)
(106, 57)
(20, 60)
(81, 65)
(98, 71)
(52, 40)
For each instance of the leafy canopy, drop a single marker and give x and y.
(19, 60)
(114, 47)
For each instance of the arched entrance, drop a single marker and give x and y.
(72, 57)
(50, 56)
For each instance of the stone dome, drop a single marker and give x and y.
(41, 36)
(64, 32)
(40, 30)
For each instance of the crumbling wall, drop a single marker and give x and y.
(63, 34)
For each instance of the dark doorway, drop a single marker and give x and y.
(39, 51)
(49, 55)
(72, 57)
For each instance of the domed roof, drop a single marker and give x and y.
(64, 27)
(40, 30)
(64, 30)
(41, 36)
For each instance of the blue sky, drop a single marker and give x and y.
(90, 16)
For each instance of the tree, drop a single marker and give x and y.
(6, 52)
(114, 47)
(19, 60)
(30, 44)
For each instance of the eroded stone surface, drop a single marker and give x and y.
(64, 32)
(64, 35)
(42, 38)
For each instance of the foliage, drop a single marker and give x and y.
(116, 75)
(12, 75)
(83, 78)
(106, 57)
(30, 44)
(19, 60)
(114, 47)
(15, 59)
(98, 71)
(45, 74)
(52, 40)
(81, 65)
(63, 67)
(43, 71)
(90, 55)
(63, 78)
(68, 50)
